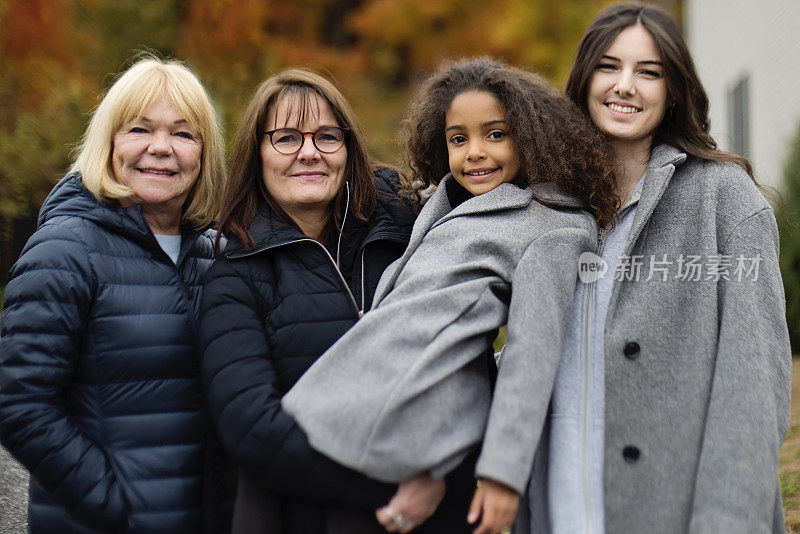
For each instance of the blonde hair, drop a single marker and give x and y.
(129, 98)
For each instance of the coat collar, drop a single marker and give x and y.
(268, 230)
(663, 161)
(657, 176)
(551, 195)
(437, 209)
(71, 198)
(502, 197)
(660, 169)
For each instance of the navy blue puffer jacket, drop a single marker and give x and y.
(267, 314)
(100, 391)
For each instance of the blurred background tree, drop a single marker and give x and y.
(44, 98)
(58, 56)
(789, 229)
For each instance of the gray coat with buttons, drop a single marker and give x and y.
(697, 372)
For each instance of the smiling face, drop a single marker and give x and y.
(481, 153)
(306, 182)
(627, 95)
(158, 156)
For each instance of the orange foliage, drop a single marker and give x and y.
(406, 36)
(55, 56)
(36, 46)
(37, 29)
(256, 33)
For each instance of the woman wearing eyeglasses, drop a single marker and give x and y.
(312, 223)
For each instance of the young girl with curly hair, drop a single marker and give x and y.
(522, 184)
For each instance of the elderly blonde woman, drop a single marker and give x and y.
(100, 392)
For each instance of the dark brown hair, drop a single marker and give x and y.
(554, 140)
(245, 189)
(685, 124)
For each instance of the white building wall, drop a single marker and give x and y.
(761, 39)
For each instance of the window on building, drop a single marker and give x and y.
(738, 117)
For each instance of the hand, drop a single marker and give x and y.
(415, 501)
(496, 504)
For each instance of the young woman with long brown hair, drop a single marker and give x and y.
(672, 399)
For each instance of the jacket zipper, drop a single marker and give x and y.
(363, 292)
(587, 389)
(186, 290)
(358, 311)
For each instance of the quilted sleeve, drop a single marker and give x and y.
(46, 305)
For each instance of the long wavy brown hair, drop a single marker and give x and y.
(685, 124)
(245, 189)
(554, 140)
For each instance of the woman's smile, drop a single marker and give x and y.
(480, 175)
(622, 109)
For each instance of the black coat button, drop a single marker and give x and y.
(631, 453)
(631, 350)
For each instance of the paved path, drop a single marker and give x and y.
(13, 495)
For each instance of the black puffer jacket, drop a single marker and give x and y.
(267, 314)
(100, 391)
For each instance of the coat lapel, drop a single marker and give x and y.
(502, 197)
(657, 177)
(434, 209)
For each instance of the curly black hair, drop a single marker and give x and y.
(553, 138)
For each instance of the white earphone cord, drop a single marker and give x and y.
(341, 230)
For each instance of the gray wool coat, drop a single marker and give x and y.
(406, 389)
(697, 372)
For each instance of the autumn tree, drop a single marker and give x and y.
(405, 37)
(109, 34)
(55, 59)
(236, 45)
(44, 102)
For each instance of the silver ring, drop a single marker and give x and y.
(400, 522)
(397, 519)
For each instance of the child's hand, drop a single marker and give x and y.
(496, 504)
(415, 501)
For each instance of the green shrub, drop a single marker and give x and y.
(790, 485)
(787, 215)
